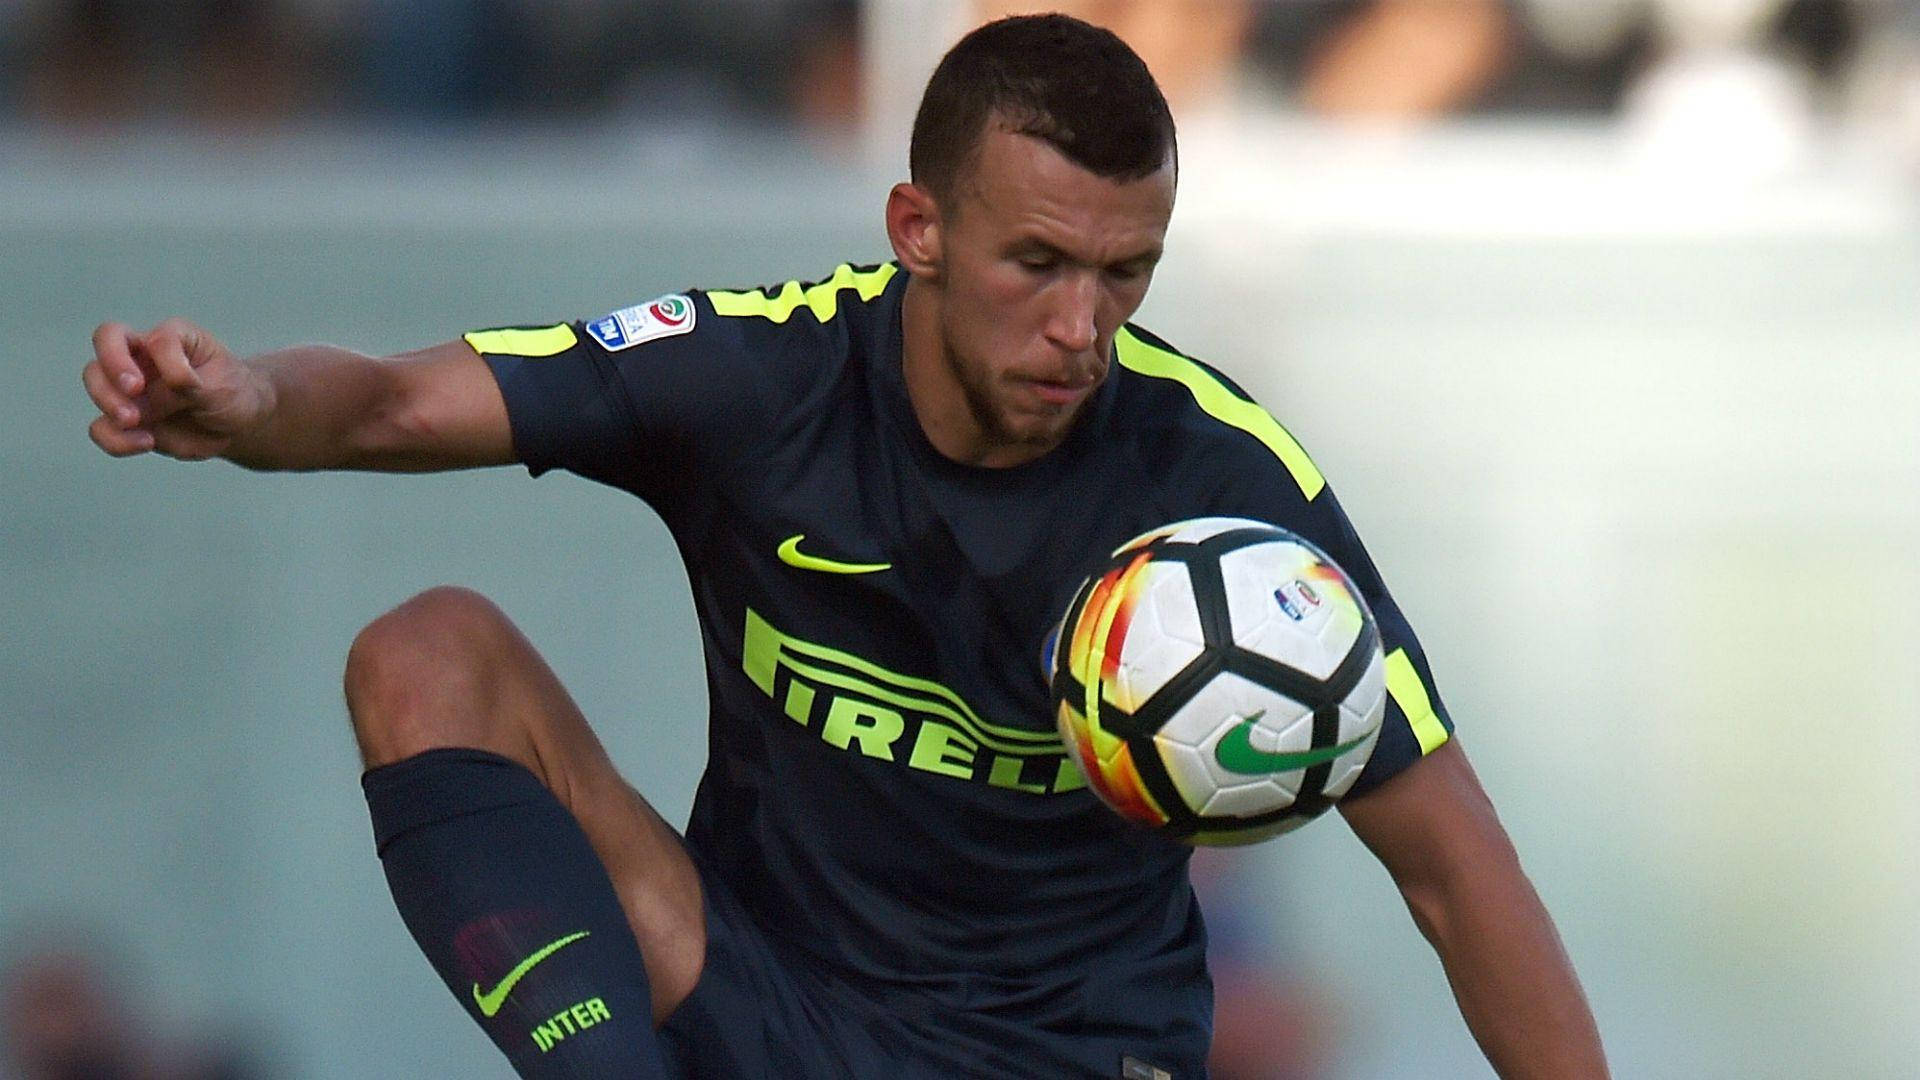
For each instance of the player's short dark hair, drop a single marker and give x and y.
(1075, 85)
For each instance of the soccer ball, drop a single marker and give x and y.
(1219, 679)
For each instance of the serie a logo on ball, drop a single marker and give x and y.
(1219, 679)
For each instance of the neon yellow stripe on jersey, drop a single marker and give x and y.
(1403, 682)
(1222, 404)
(544, 342)
(766, 649)
(972, 727)
(823, 299)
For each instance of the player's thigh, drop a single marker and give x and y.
(448, 668)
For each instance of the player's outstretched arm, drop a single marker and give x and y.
(1435, 830)
(176, 390)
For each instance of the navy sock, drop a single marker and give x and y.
(502, 892)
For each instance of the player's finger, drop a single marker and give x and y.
(119, 441)
(113, 403)
(165, 346)
(113, 346)
(185, 445)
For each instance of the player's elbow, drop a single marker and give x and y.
(389, 432)
(435, 409)
(1471, 873)
(1430, 906)
(419, 417)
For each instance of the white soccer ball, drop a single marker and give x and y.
(1219, 679)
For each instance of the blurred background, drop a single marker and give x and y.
(1602, 315)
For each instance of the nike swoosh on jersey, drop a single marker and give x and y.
(1235, 752)
(791, 554)
(491, 1001)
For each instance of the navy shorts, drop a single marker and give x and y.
(757, 1012)
(761, 1010)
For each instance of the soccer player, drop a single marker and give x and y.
(885, 486)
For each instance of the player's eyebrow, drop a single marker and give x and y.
(1032, 245)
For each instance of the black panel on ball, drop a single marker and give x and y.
(1164, 702)
(1181, 820)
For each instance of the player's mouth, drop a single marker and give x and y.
(1058, 394)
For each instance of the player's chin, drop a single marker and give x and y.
(1043, 426)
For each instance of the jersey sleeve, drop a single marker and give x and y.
(644, 399)
(1258, 470)
(1416, 721)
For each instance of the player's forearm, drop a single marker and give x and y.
(332, 408)
(321, 405)
(1510, 974)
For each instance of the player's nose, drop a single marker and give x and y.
(1071, 326)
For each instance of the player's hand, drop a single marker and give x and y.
(174, 389)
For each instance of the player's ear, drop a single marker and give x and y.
(914, 228)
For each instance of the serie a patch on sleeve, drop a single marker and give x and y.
(642, 323)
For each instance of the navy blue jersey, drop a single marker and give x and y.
(886, 791)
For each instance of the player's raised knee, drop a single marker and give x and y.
(422, 676)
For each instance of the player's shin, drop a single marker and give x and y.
(508, 901)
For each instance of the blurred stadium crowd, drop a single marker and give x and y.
(65, 1015)
(253, 64)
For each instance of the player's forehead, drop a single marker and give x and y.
(1022, 187)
